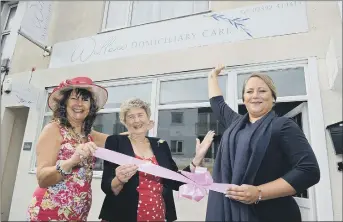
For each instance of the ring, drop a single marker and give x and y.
(126, 174)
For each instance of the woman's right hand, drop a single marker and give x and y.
(125, 172)
(216, 71)
(83, 151)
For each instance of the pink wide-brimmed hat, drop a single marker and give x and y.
(100, 94)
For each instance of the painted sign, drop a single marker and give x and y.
(36, 20)
(20, 93)
(258, 21)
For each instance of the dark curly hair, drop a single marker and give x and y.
(60, 113)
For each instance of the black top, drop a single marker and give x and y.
(288, 156)
(242, 134)
(123, 207)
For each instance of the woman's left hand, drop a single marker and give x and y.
(246, 194)
(201, 148)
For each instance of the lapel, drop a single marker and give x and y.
(126, 147)
(157, 149)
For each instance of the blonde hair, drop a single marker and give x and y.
(133, 103)
(266, 79)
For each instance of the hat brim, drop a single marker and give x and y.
(100, 95)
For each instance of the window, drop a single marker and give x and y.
(118, 94)
(107, 120)
(180, 98)
(187, 90)
(340, 8)
(282, 78)
(181, 109)
(176, 146)
(120, 14)
(110, 124)
(8, 11)
(177, 117)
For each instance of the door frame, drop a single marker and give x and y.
(310, 202)
(324, 205)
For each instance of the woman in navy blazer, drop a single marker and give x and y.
(266, 157)
(136, 196)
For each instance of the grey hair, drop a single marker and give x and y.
(133, 103)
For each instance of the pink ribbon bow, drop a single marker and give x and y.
(202, 180)
(196, 184)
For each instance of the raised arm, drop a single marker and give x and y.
(220, 109)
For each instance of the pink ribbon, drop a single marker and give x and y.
(196, 184)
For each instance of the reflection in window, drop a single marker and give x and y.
(182, 138)
(8, 12)
(282, 78)
(177, 117)
(129, 13)
(47, 109)
(176, 147)
(281, 109)
(183, 91)
(110, 124)
(118, 94)
(46, 120)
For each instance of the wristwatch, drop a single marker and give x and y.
(60, 170)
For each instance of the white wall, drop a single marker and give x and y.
(332, 108)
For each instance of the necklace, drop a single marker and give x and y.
(137, 150)
(79, 135)
(136, 141)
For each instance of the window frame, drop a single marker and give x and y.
(129, 17)
(278, 65)
(107, 83)
(319, 204)
(177, 113)
(5, 13)
(231, 92)
(176, 148)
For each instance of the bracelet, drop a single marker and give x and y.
(121, 182)
(60, 170)
(259, 195)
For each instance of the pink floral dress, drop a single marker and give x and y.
(71, 198)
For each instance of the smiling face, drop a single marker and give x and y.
(78, 106)
(258, 97)
(137, 121)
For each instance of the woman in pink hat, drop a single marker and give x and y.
(65, 153)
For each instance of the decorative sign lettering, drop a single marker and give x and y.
(36, 20)
(258, 21)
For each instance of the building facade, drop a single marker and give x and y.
(161, 52)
